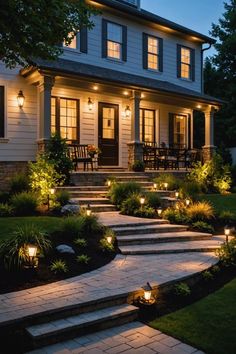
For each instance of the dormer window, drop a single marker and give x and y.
(114, 41)
(185, 63)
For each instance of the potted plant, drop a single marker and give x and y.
(93, 150)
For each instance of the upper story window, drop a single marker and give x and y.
(2, 111)
(79, 41)
(152, 52)
(185, 63)
(114, 41)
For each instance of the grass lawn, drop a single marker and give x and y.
(208, 324)
(222, 202)
(8, 225)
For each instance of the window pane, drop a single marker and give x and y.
(113, 50)
(179, 130)
(108, 131)
(147, 125)
(152, 61)
(152, 45)
(185, 71)
(185, 55)
(114, 32)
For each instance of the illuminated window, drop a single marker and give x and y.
(114, 41)
(147, 125)
(185, 63)
(74, 41)
(179, 131)
(153, 53)
(65, 118)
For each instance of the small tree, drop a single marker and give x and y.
(43, 176)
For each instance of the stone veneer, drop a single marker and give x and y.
(8, 169)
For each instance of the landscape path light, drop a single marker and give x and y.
(187, 202)
(159, 211)
(147, 298)
(166, 186)
(88, 210)
(177, 195)
(227, 232)
(155, 186)
(32, 254)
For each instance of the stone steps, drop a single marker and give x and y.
(99, 208)
(91, 201)
(73, 326)
(174, 247)
(161, 227)
(162, 238)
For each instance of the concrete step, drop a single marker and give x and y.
(73, 326)
(163, 237)
(134, 223)
(99, 208)
(175, 247)
(88, 194)
(151, 229)
(84, 200)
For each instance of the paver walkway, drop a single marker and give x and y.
(131, 338)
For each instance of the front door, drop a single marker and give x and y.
(108, 134)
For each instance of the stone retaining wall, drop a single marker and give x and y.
(8, 169)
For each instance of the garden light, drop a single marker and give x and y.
(32, 253)
(177, 195)
(52, 191)
(109, 239)
(109, 183)
(159, 211)
(155, 186)
(227, 233)
(20, 99)
(166, 185)
(147, 298)
(142, 200)
(187, 202)
(88, 210)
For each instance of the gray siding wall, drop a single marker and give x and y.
(134, 52)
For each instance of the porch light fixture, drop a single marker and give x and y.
(88, 210)
(199, 106)
(177, 195)
(20, 99)
(95, 87)
(127, 112)
(155, 186)
(227, 233)
(147, 298)
(126, 93)
(159, 211)
(166, 185)
(187, 202)
(32, 254)
(90, 104)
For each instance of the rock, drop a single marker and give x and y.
(65, 249)
(70, 209)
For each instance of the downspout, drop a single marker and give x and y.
(202, 75)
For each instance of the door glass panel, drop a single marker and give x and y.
(179, 130)
(108, 123)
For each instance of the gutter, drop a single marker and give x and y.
(202, 74)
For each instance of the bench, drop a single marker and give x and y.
(79, 154)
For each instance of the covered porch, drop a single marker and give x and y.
(127, 117)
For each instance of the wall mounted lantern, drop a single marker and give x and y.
(20, 99)
(90, 104)
(127, 112)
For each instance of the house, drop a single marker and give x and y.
(134, 77)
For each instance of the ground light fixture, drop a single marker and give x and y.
(90, 104)
(32, 255)
(227, 231)
(88, 210)
(142, 201)
(177, 195)
(155, 186)
(20, 99)
(147, 298)
(187, 202)
(109, 183)
(166, 185)
(52, 191)
(109, 239)
(159, 211)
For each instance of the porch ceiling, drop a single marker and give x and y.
(74, 74)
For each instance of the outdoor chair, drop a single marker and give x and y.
(79, 154)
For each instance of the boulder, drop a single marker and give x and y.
(70, 209)
(65, 249)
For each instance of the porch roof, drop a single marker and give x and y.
(64, 67)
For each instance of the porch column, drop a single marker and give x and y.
(45, 88)
(209, 148)
(135, 147)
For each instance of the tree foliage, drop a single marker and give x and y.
(34, 29)
(220, 75)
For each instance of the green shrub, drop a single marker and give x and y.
(190, 189)
(57, 152)
(13, 250)
(213, 176)
(43, 177)
(24, 204)
(215, 269)
(5, 210)
(153, 200)
(145, 212)
(227, 217)
(19, 183)
(4, 197)
(138, 166)
(173, 182)
(59, 266)
(71, 227)
(207, 275)
(200, 211)
(203, 227)
(182, 290)
(83, 258)
(121, 191)
(131, 204)
(175, 216)
(90, 226)
(62, 197)
(80, 242)
(227, 253)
